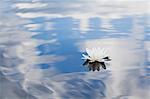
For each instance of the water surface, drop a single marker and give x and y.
(41, 42)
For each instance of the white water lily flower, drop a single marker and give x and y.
(95, 54)
(95, 58)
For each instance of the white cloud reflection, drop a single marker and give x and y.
(38, 14)
(120, 51)
(32, 26)
(19, 73)
(29, 5)
(18, 64)
(125, 56)
(104, 10)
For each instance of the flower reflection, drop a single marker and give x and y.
(95, 58)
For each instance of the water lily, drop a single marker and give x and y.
(95, 57)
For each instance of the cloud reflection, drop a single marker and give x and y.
(29, 5)
(105, 10)
(125, 55)
(21, 75)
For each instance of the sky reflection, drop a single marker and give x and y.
(41, 46)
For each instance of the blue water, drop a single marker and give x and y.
(42, 41)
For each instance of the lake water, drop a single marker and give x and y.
(42, 41)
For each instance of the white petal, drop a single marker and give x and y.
(85, 57)
(89, 52)
(96, 54)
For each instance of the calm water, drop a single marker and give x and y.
(41, 42)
